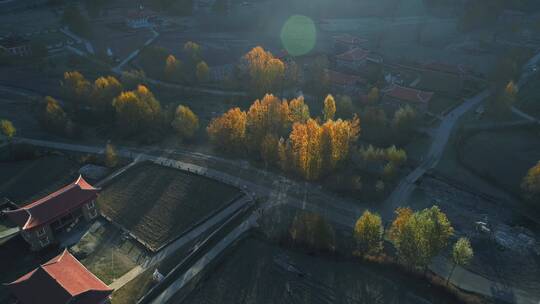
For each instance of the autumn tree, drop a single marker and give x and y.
(76, 87)
(267, 116)
(105, 89)
(368, 232)
(312, 230)
(111, 156)
(266, 73)
(202, 72)
(7, 129)
(185, 122)
(173, 69)
(462, 254)
(329, 108)
(531, 181)
(270, 149)
(298, 110)
(315, 149)
(137, 110)
(318, 81)
(53, 117)
(228, 132)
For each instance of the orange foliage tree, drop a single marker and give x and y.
(229, 130)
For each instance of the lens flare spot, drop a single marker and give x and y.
(298, 35)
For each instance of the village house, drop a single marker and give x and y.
(16, 46)
(347, 42)
(61, 280)
(397, 96)
(41, 219)
(346, 83)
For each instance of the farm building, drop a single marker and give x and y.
(41, 219)
(63, 279)
(396, 96)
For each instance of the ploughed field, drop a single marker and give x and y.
(26, 180)
(157, 204)
(260, 272)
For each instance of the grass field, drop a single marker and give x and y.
(157, 203)
(503, 156)
(108, 255)
(24, 181)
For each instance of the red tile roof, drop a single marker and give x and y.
(408, 94)
(355, 54)
(54, 205)
(349, 39)
(61, 280)
(344, 79)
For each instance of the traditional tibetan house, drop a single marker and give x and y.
(61, 280)
(396, 96)
(41, 219)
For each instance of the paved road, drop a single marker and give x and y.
(401, 193)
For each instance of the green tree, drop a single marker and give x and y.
(344, 107)
(111, 156)
(7, 129)
(368, 232)
(76, 21)
(185, 122)
(420, 236)
(373, 95)
(312, 230)
(462, 254)
(193, 51)
(405, 120)
(202, 72)
(329, 110)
